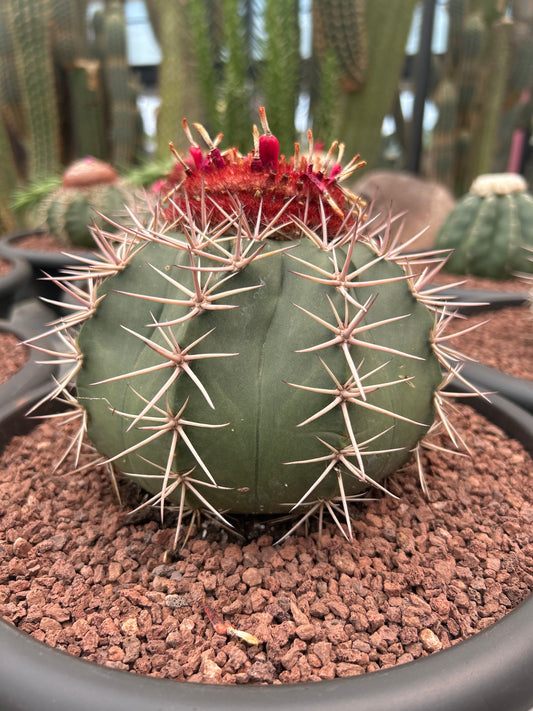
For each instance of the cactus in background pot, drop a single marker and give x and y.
(261, 345)
(87, 185)
(490, 228)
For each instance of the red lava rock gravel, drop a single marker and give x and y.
(5, 266)
(505, 342)
(420, 575)
(43, 243)
(13, 356)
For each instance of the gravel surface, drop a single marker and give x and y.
(13, 356)
(5, 266)
(419, 576)
(503, 340)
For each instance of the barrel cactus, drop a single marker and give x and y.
(88, 185)
(261, 345)
(490, 228)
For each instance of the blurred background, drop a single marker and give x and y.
(437, 89)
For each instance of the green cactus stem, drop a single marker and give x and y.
(360, 113)
(344, 24)
(119, 87)
(490, 228)
(260, 345)
(28, 21)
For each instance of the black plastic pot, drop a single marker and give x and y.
(487, 379)
(13, 283)
(484, 377)
(491, 671)
(42, 263)
(472, 301)
(34, 380)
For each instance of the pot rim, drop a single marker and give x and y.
(474, 301)
(39, 259)
(13, 282)
(35, 379)
(488, 379)
(487, 672)
(21, 271)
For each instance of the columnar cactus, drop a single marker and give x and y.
(124, 115)
(490, 228)
(33, 62)
(261, 345)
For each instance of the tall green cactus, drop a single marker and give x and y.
(359, 114)
(236, 82)
(8, 182)
(225, 65)
(444, 135)
(28, 25)
(123, 111)
(262, 351)
(52, 98)
(179, 90)
(279, 79)
(79, 83)
(488, 63)
(343, 25)
(11, 103)
(486, 139)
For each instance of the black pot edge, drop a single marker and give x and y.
(13, 283)
(47, 261)
(491, 380)
(35, 379)
(490, 671)
(485, 300)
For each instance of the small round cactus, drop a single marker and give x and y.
(261, 345)
(490, 228)
(87, 185)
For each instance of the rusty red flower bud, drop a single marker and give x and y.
(268, 143)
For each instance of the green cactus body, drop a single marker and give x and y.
(490, 229)
(250, 391)
(258, 346)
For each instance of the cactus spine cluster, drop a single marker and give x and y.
(261, 345)
(490, 229)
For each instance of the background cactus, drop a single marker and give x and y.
(485, 76)
(263, 350)
(33, 62)
(120, 89)
(367, 91)
(88, 185)
(490, 228)
(65, 92)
